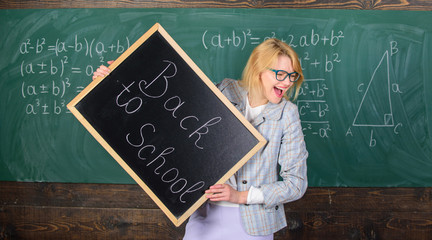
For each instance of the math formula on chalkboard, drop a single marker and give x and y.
(60, 76)
(50, 71)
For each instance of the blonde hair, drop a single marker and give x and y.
(261, 58)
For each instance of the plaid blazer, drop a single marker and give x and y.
(280, 126)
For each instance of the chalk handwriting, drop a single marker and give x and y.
(178, 185)
(160, 78)
(135, 107)
(132, 103)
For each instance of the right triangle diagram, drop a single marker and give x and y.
(375, 109)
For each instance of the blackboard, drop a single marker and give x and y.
(166, 124)
(365, 105)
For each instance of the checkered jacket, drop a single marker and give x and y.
(280, 126)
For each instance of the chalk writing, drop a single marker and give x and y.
(162, 78)
(242, 38)
(383, 116)
(171, 175)
(55, 60)
(89, 47)
(50, 73)
(134, 103)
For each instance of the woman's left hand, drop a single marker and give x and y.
(224, 192)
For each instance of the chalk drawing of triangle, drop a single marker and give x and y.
(375, 109)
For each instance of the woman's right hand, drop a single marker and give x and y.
(102, 71)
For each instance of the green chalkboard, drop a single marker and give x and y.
(365, 105)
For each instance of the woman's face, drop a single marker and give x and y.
(272, 89)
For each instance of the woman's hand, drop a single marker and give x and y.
(102, 71)
(224, 192)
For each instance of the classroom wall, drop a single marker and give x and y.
(32, 210)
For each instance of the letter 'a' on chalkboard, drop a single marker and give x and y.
(166, 124)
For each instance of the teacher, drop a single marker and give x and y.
(250, 204)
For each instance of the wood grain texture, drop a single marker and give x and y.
(413, 5)
(112, 211)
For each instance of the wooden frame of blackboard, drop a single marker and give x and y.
(177, 221)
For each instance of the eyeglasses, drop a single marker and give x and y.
(281, 75)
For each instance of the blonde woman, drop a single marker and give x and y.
(250, 204)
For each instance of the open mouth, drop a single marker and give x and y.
(279, 92)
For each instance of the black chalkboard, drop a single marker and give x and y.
(166, 124)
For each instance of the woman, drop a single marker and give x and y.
(250, 204)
